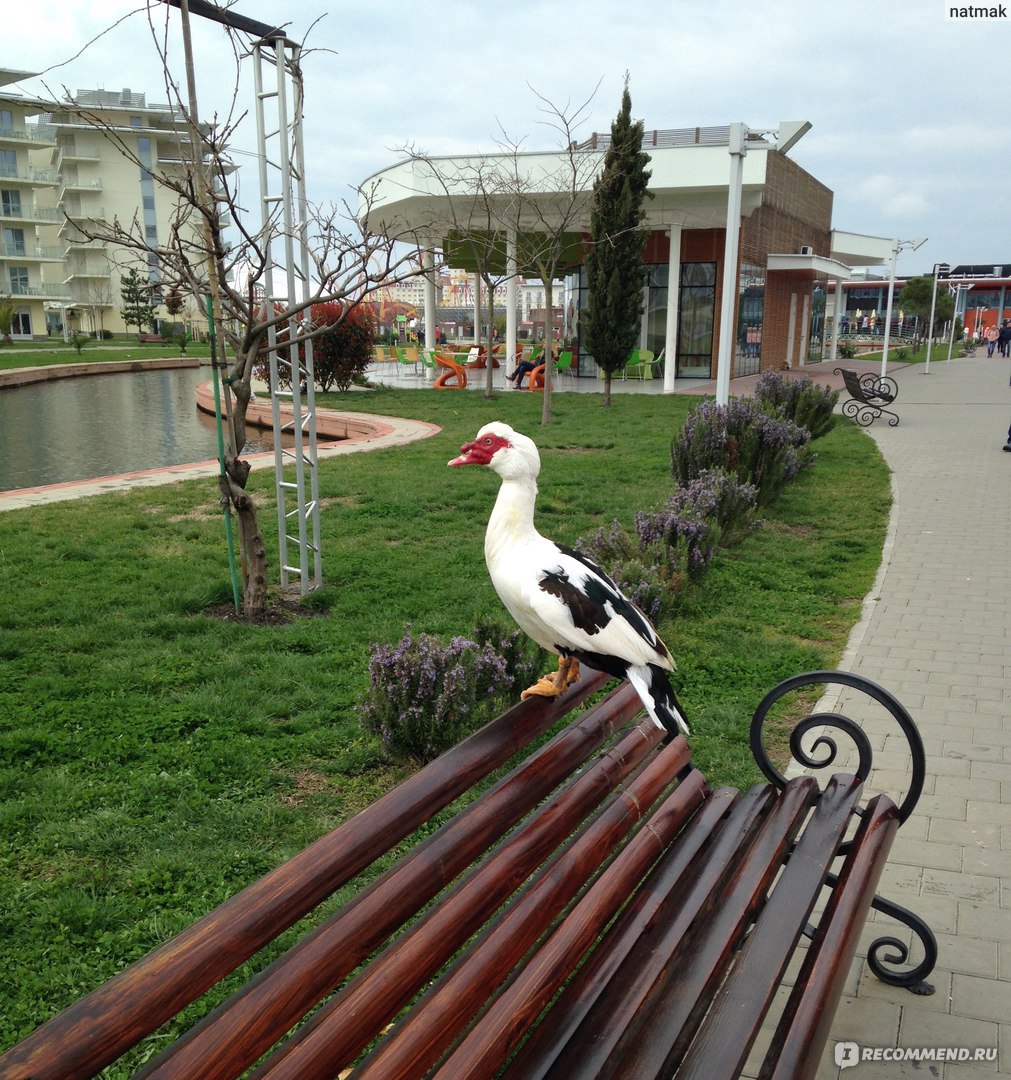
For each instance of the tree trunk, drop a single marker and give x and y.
(489, 375)
(607, 388)
(549, 364)
(252, 549)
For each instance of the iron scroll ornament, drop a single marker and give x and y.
(825, 744)
(827, 748)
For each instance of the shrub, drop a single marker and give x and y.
(674, 543)
(799, 400)
(742, 438)
(340, 354)
(847, 350)
(426, 695)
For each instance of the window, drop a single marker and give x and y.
(8, 163)
(750, 312)
(696, 320)
(22, 324)
(10, 203)
(19, 280)
(6, 120)
(14, 242)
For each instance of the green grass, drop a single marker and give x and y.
(154, 758)
(42, 354)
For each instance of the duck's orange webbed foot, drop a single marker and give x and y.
(554, 684)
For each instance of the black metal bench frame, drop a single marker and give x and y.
(869, 394)
(572, 903)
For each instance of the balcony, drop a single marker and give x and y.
(87, 274)
(30, 177)
(39, 289)
(88, 185)
(31, 252)
(66, 153)
(33, 214)
(34, 135)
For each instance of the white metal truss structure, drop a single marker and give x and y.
(284, 208)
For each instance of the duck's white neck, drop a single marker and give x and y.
(512, 518)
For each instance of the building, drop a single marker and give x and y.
(787, 255)
(59, 172)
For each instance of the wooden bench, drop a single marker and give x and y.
(869, 394)
(548, 898)
(149, 339)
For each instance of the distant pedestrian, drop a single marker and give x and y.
(990, 335)
(1004, 338)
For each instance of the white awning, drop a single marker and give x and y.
(817, 265)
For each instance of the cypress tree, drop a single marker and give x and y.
(614, 270)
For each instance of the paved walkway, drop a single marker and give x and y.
(936, 632)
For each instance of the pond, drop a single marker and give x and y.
(100, 425)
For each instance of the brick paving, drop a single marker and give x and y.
(936, 631)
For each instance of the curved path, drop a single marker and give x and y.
(936, 631)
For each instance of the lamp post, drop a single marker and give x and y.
(939, 268)
(786, 135)
(899, 244)
(963, 287)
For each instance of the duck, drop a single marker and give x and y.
(559, 596)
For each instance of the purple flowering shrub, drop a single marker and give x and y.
(798, 400)
(426, 695)
(741, 437)
(674, 543)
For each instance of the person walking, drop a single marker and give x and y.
(1004, 338)
(991, 335)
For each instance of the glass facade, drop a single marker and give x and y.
(750, 314)
(696, 320)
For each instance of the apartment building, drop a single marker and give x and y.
(64, 165)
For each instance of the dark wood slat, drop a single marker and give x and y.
(539, 1052)
(804, 1029)
(662, 1031)
(488, 1046)
(744, 998)
(346, 1024)
(622, 1001)
(96, 1030)
(269, 1006)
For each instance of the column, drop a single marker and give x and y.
(670, 344)
(428, 262)
(728, 303)
(511, 269)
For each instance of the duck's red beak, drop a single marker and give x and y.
(466, 455)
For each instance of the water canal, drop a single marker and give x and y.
(100, 425)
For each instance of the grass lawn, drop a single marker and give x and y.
(42, 354)
(155, 758)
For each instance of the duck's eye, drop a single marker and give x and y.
(487, 441)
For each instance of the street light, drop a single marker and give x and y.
(899, 244)
(939, 268)
(787, 135)
(963, 287)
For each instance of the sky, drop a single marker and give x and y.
(910, 126)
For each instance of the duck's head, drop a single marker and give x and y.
(512, 455)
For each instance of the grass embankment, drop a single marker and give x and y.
(154, 758)
(43, 354)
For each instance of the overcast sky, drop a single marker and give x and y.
(909, 109)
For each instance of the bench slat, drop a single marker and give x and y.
(346, 1024)
(622, 1002)
(283, 993)
(692, 972)
(745, 997)
(487, 1047)
(100, 1027)
(804, 1028)
(538, 1053)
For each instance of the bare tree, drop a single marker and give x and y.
(541, 199)
(213, 250)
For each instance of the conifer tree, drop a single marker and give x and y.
(614, 270)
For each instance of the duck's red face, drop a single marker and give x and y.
(481, 450)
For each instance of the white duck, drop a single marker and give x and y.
(558, 596)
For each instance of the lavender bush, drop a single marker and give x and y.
(744, 439)
(798, 400)
(674, 543)
(426, 695)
